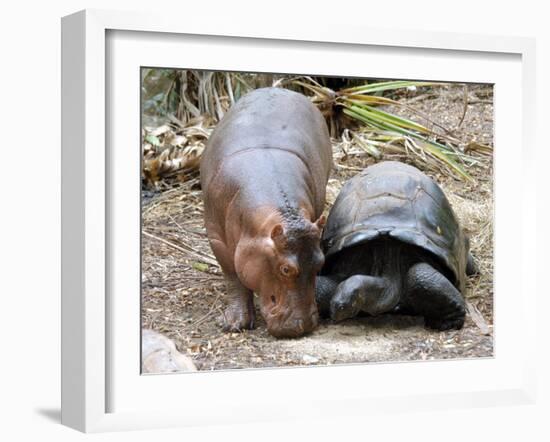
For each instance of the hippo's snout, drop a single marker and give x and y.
(293, 326)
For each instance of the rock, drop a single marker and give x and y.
(159, 355)
(307, 359)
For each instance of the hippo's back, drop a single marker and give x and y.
(275, 119)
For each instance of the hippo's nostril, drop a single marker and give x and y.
(273, 300)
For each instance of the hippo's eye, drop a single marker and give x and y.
(287, 270)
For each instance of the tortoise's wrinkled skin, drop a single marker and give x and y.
(263, 177)
(393, 243)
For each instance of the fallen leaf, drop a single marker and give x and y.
(200, 266)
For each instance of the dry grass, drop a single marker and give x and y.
(183, 290)
(356, 116)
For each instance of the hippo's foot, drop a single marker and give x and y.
(239, 313)
(235, 321)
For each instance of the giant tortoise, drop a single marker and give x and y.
(392, 243)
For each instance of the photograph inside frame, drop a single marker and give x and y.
(300, 220)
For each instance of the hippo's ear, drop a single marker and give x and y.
(277, 232)
(320, 223)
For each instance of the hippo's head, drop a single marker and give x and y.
(281, 268)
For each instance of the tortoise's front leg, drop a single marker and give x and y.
(431, 294)
(325, 288)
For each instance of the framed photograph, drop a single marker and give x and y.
(257, 213)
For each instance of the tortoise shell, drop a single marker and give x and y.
(396, 200)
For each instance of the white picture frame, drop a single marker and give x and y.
(95, 364)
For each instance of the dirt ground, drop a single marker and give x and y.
(183, 290)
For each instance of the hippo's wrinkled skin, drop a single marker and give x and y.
(263, 177)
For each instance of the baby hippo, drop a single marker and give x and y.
(263, 177)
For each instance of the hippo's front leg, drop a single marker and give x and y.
(239, 313)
